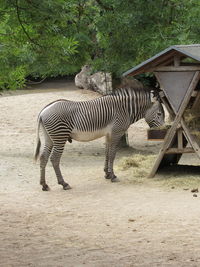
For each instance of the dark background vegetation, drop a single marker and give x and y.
(53, 38)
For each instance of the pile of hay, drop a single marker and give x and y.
(138, 166)
(192, 120)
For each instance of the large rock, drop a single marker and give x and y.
(100, 82)
(81, 79)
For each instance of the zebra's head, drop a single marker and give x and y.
(155, 115)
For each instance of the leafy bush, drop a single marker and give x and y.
(56, 37)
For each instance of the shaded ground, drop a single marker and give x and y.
(137, 222)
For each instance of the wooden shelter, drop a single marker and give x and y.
(177, 69)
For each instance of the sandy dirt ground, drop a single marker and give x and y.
(97, 223)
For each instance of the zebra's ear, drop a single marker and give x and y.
(153, 96)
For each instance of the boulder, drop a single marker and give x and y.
(100, 82)
(81, 79)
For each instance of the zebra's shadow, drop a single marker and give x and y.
(179, 170)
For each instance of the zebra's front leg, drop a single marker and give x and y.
(111, 149)
(55, 159)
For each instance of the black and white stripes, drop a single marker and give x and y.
(108, 116)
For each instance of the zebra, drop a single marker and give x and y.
(109, 116)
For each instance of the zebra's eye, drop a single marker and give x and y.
(159, 113)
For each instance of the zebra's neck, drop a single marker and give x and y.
(134, 101)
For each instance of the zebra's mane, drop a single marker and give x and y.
(129, 90)
(118, 92)
(153, 93)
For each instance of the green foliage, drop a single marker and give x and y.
(136, 30)
(56, 37)
(34, 41)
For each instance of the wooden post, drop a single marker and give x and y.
(177, 60)
(180, 139)
(171, 132)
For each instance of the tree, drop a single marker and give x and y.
(132, 31)
(56, 37)
(35, 40)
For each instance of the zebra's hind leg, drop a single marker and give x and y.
(106, 160)
(55, 159)
(43, 162)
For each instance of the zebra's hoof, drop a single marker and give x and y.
(66, 187)
(115, 180)
(110, 175)
(45, 188)
(107, 176)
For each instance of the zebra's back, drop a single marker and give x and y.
(88, 120)
(94, 114)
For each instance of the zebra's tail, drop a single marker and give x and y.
(38, 145)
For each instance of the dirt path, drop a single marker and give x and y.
(97, 223)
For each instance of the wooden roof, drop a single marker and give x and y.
(166, 57)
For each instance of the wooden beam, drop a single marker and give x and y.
(157, 140)
(180, 139)
(150, 66)
(175, 150)
(171, 132)
(175, 68)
